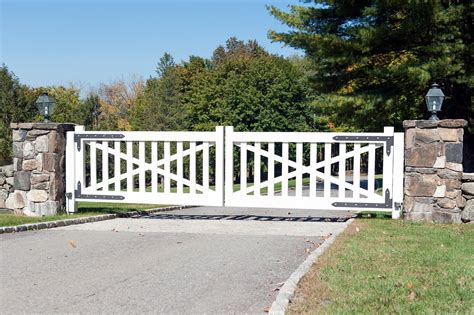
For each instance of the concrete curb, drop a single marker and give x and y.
(95, 218)
(287, 291)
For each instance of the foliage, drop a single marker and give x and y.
(14, 108)
(375, 60)
(249, 89)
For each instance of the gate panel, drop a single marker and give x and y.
(146, 167)
(326, 171)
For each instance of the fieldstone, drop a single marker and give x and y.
(421, 185)
(36, 195)
(41, 144)
(46, 208)
(18, 149)
(2, 204)
(29, 165)
(422, 156)
(8, 170)
(440, 162)
(21, 125)
(39, 178)
(450, 135)
(41, 186)
(32, 134)
(460, 202)
(426, 124)
(468, 213)
(57, 187)
(451, 184)
(418, 204)
(19, 135)
(17, 162)
(16, 200)
(447, 217)
(449, 174)
(446, 203)
(3, 194)
(453, 194)
(418, 216)
(2, 180)
(452, 123)
(22, 180)
(468, 177)
(39, 161)
(468, 188)
(56, 142)
(409, 123)
(468, 197)
(453, 152)
(50, 162)
(426, 136)
(426, 170)
(410, 138)
(28, 150)
(454, 166)
(10, 181)
(440, 191)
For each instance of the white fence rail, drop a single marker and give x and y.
(145, 167)
(327, 171)
(307, 170)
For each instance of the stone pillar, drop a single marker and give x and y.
(38, 165)
(433, 170)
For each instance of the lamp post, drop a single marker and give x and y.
(434, 100)
(45, 105)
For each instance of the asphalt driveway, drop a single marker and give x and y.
(159, 264)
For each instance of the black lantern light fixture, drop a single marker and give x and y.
(434, 100)
(45, 105)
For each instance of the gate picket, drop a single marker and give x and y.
(341, 177)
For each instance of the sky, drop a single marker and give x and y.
(85, 42)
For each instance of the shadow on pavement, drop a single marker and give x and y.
(242, 218)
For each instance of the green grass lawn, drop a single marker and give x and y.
(84, 209)
(380, 266)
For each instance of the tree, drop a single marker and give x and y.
(14, 108)
(375, 60)
(249, 89)
(159, 107)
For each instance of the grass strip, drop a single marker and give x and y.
(390, 266)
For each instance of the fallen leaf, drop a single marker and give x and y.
(72, 244)
(409, 285)
(357, 229)
(412, 296)
(398, 284)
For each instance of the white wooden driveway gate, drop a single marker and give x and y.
(297, 170)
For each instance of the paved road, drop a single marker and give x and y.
(231, 263)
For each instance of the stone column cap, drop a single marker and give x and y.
(444, 123)
(44, 126)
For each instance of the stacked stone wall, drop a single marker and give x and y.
(38, 165)
(467, 214)
(434, 170)
(6, 184)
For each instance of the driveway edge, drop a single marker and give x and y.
(82, 220)
(287, 291)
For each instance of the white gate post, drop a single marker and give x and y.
(70, 173)
(398, 173)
